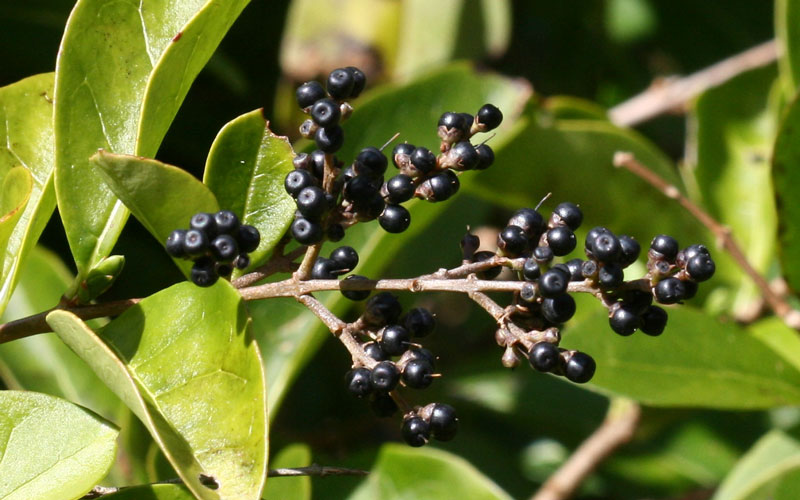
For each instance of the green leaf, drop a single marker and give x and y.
(290, 488)
(152, 492)
(184, 361)
(162, 197)
(698, 361)
(26, 140)
(16, 189)
(403, 472)
(122, 72)
(245, 169)
(759, 473)
(736, 129)
(51, 448)
(786, 179)
(787, 34)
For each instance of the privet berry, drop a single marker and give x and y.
(416, 432)
(544, 357)
(359, 382)
(394, 219)
(384, 376)
(580, 368)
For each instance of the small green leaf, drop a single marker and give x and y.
(194, 378)
(786, 179)
(162, 197)
(758, 475)
(152, 492)
(51, 448)
(26, 141)
(787, 34)
(403, 472)
(290, 488)
(100, 278)
(245, 169)
(123, 70)
(16, 189)
(698, 361)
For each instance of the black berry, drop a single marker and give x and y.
(700, 267)
(383, 405)
(195, 243)
(629, 250)
(606, 247)
(306, 232)
(486, 274)
(335, 232)
(394, 219)
(356, 295)
(485, 156)
(561, 240)
(175, 243)
(394, 340)
(489, 117)
(382, 309)
(371, 161)
(624, 321)
(512, 241)
(297, 180)
(248, 238)
(374, 351)
(465, 155)
(575, 266)
(400, 188)
(323, 269)
(558, 309)
(423, 160)
(359, 81)
(419, 322)
(669, 291)
(242, 261)
(384, 376)
(204, 222)
(529, 220)
(444, 422)
(610, 276)
(224, 248)
(311, 202)
(341, 83)
(203, 272)
(326, 113)
(543, 255)
(531, 270)
(544, 357)
(345, 258)
(329, 140)
(358, 381)
(227, 222)
(309, 93)
(416, 432)
(580, 368)
(442, 185)
(417, 374)
(654, 320)
(454, 123)
(401, 154)
(570, 214)
(665, 246)
(553, 283)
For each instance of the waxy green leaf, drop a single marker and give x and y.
(51, 449)
(16, 189)
(245, 169)
(26, 142)
(193, 377)
(162, 197)
(122, 72)
(786, 179)
(787, 35)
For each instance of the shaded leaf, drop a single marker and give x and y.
(122, 72)
(787, 35)
(193, 378)
(152, 492)
(16, 189)
(50, 448)
(26, 140)
(786, 179)
(245, 169)
(290, 488)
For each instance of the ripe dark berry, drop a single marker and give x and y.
(487, 274)
(606, 247)
(529, 220)
(629, 250)
(195, 243)
(561, 240)
(248, 238)
(309, 93)
(329, 140)
(421, 353)
(297, 180)
(358, 381)
(223, 269)
(543, 255)
(374, 351)
(442, 185)
(359, 81)
(302, 161)
(383, 405)
(700, 267)
(175, 243)
(355, 295)
(624, 321)
(558, 309)
(335, 232)
(636, 300)
(575, 266)
(345, 258)
(665, 246)
(323, 269)
(401, 154)
(570, 214)
(465, 156)
(416, 432)
(531, 270)
(371, 161)
(669, 291)
(224, 248)
(485, 156)
(371, 208)
(454, 122)
(553, 283)
(399, 188)
(512, 241)
(689, 252)
(394, 219)
(419, 322)
(544, 357)
(318, 163)
(394, 340)
(382, 309)
(417, 374)
(444, 422)
(326, 113)
(423, 160)
(610, 276)
(591, 236)
(203, 272)
(311, 202)
(384, 376)
(359, 189)
(341, 83)
(489, 117)
(227, 222)
(306, 232)
(242, 261)
(654, 320)
(468, 119)
(580, 368)
(689, 289)
(204, 222)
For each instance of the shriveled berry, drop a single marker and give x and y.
(624, 321)
(465, 155)
(512, 241)
(394, 219)
(486, 274)
(224, 248)
(400, 188)
(485, 156)
(444, 422)
(665, 246)
(371, 161)
(358, 381)
(394, 340)
(700, 267)
(544, 356)
(382, 309)
(489, 116)
(531, 270)
(589, 269)
(384, 376)
(326, 113)
(417, 374)
(570, 214)
(419, 322)
(311, 202)
(355, 295)
(248, 238)
(306, 232)
(423, 160)
(329, 140)
(174, 243)
(669, 291)
(341, 82)
(416, 432)
(553, 283)
(561, 240)
(580, 368)
(309, 93)
(195, 243)
(558, 309)
(654, 320)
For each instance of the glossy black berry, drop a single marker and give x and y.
(204, 222)
(394, 219)
(401, 154)
(195, 243)
(203, 272)
(629, 250)
(636, 300)
(309, 93)
(687, 253)
(442, 185)
(224, 248)
(341, 83)
(394, 340)
(329, 140)
(399, 188)
(416, 432)
(689, 289)
(359, 81)
(558, 309)
(227, 222)
(297, 180)
(486, 274)
(575, 266)
(344, 258)
(654, 320)
(423, 160)
(371, 161)
(370, 208)
(570, 214)
(358, 381)
(543, 255)
(606, 247)
(382, 309)
(610, 276)
(323, 269)
(384, 376)
(356, 295)
(529, 220)
(174, 243)
(465, 156)
(311, 202)
(561, 240)
(326, 113)
(455, 123)
(669, 291)
(580, 368)
(421, 353)
(418, 374)
(665, 246)
(489, 116)
(248, 238)
(306, 232)
(468, 119)
(553, 283)
(700, 267)
(531, 270)
(591, 236)
(374, 351)
(383, 405)
(544, 357)
(444, 422)
(485, 156)
(359, 189)
(335, 232)
(318, 163)
(512, 241)
(624, 321)
(242, 261)
(419, 322)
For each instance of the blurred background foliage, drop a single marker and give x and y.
(517, 426)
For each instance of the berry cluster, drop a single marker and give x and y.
(386, 338)
(216, 243)
(331, 196)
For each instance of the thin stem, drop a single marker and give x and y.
(341, 330)
(276, 264)
(779, 306)
(304, 271)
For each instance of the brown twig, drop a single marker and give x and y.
(276, 264)
(617, 429)
(674, 93)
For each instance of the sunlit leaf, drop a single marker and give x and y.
(786, 178)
